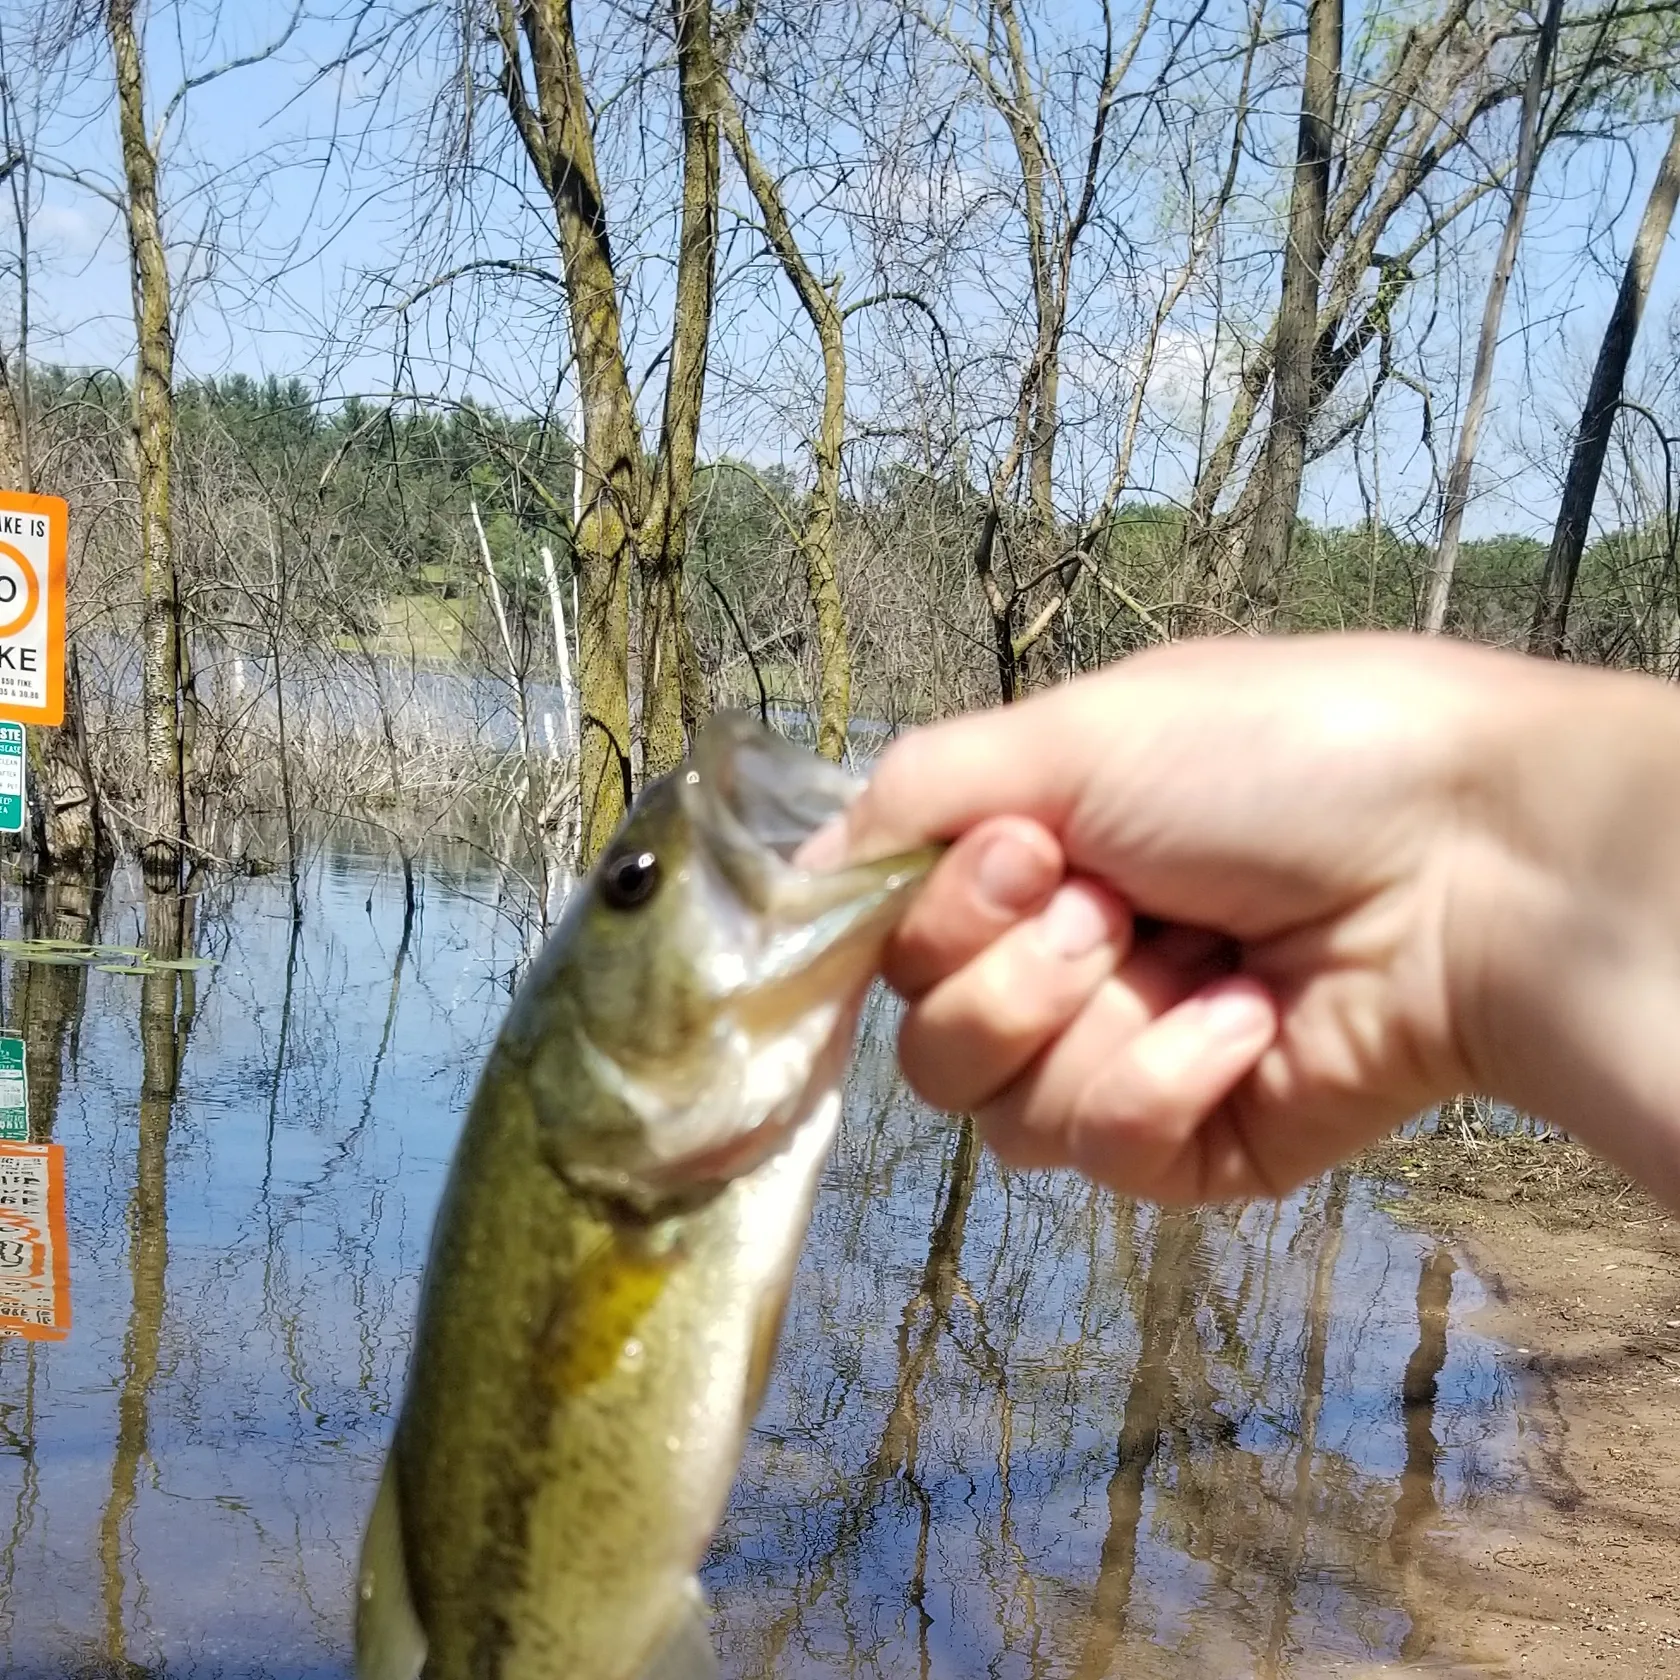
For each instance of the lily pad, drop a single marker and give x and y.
(107, 959)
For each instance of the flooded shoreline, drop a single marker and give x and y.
(1017, 1427)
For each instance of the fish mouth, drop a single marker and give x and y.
(755, 799)
(782, 955)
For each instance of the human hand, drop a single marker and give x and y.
(1354, 859)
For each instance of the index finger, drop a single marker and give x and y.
(996, 875)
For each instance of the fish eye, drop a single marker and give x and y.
(629, 880)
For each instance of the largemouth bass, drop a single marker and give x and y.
(613, 1252)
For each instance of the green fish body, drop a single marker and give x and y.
(615, 1245)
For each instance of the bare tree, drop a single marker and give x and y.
(631, 520)
(1055, 206)
(1604, 395)
(66, 825)
(670, 681)
(542, 84)
(1456, 494)
(819, 535)
(1418, 116)
(154, 440)
(1295, 333)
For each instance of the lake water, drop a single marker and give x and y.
(1018, 1428)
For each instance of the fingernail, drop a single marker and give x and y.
(1235, 1016)
(1011, 875)
(1075, 922)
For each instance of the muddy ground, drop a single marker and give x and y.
(1581, 1574)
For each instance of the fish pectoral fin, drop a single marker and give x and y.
(688, 1652)
(390, 1643)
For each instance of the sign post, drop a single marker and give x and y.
(34, 539)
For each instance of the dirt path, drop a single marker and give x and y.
(1581, 1575)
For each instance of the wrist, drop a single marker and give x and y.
(1567, 923)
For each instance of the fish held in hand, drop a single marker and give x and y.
(618, 1235)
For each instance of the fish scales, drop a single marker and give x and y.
(607, 1474)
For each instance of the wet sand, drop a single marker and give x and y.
(1579, 1574)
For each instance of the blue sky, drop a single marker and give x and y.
(310, 184)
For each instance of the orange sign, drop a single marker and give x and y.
(34, 538)
(34, 1247)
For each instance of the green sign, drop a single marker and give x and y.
(11, 778)
(14, 1090)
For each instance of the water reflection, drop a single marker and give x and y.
(1166, 1303)
(44, 1003)
(1016, 1427)
(167, 1000)
(1420, 1387)
(1116, 1441)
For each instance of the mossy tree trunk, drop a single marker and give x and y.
(154, 438)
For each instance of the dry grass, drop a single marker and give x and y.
(1550, 1177)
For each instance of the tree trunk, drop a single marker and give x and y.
(1457, 492)
(1267, 551)
(1021, 112)
(623, 523)
(820, 542)
(558, 137)
(819, 539)
(1604, 395)
(67, 823)
(1000, 606)
(1204, 537)
(154, 437)
(665, 531)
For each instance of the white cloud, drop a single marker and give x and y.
(67, 230)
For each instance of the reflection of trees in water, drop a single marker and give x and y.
(1418, 1505)
(925, 1314)
(17, 1439)
(297, 1247)
(1168, 1297)
(891, 1467)
(46, 999)
(167, 1003)
(329, 1294)
(953, 1346)
(1274, 1480)
(44, 1004)
(1311, 1409)
(254, 1345)
(1085, 1430)
(1016, 1425)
